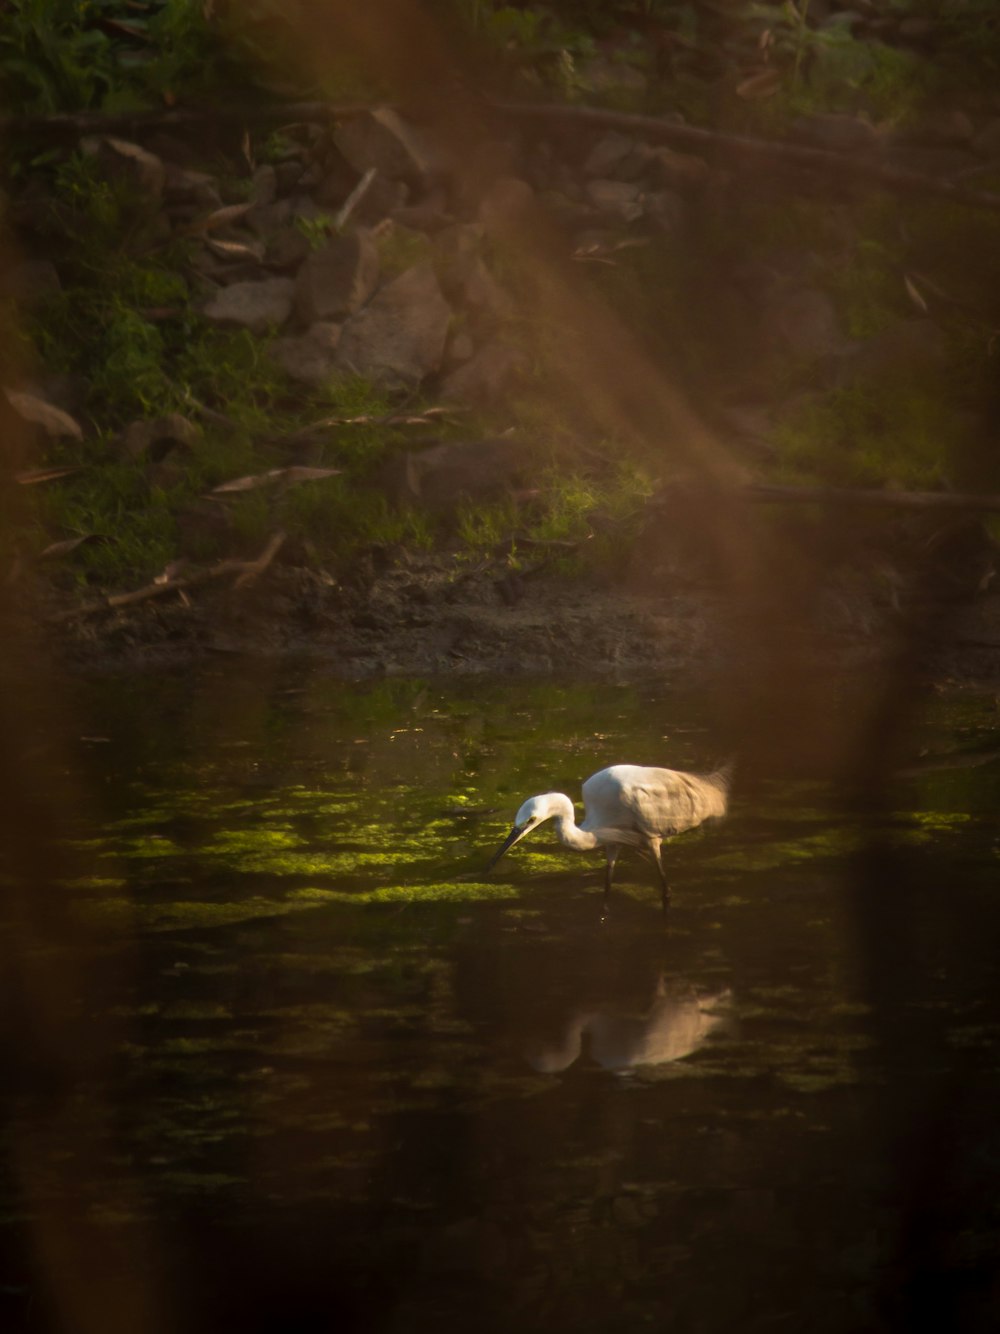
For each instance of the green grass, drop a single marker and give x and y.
(108, 328)
(113, 501)
(898, 435)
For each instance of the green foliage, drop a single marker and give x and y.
(71, 55)
(849, 74)
(600, 511)
(400, 248)
(968, 45)
(49, 60)
(481, 529)
(317, 231)
(341, 515)
(127, 325)
(895, 433)
(112, 500)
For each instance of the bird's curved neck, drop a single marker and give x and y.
(569, 832)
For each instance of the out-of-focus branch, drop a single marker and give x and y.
(767, 151)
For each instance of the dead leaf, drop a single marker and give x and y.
(599, 251)
(915, 294)
(52, 420)
(765, 83)
(35, 475)
(235, 249)
(170, 571)
(249, 483)
(57, 549)
(303, 474)
(219, 217)
(289, 475)
(120, 28)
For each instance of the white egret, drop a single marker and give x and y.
(628, 806)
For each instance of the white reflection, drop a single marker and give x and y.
(679, 1021)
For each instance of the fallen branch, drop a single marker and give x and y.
(773, 152)
(246, 570)
(651, 128)
(870, 497)
(911, 500)
(255, 568)
(77, 124)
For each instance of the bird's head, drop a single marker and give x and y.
(532, 813)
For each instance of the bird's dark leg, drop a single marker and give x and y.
(611, 851)
(655, 845)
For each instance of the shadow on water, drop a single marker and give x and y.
(322, 1073)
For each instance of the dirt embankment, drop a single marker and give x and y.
(402, 614)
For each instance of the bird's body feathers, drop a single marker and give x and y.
(661, 802)
(628, 805)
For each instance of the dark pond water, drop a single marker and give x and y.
(333, 1076)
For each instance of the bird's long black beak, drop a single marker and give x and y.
(515, 836)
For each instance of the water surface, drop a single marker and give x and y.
(342, 1078)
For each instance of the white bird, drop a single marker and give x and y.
(628, 806)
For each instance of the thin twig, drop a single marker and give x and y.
(354, 198)
(257, 567)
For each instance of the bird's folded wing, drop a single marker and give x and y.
(631, 838)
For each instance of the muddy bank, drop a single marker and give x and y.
(428, 614)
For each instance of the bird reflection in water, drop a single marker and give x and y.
(677, 1023)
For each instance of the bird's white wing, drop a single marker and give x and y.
(664, 801)
(629, 838)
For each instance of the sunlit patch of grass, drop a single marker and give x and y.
(482, 528)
